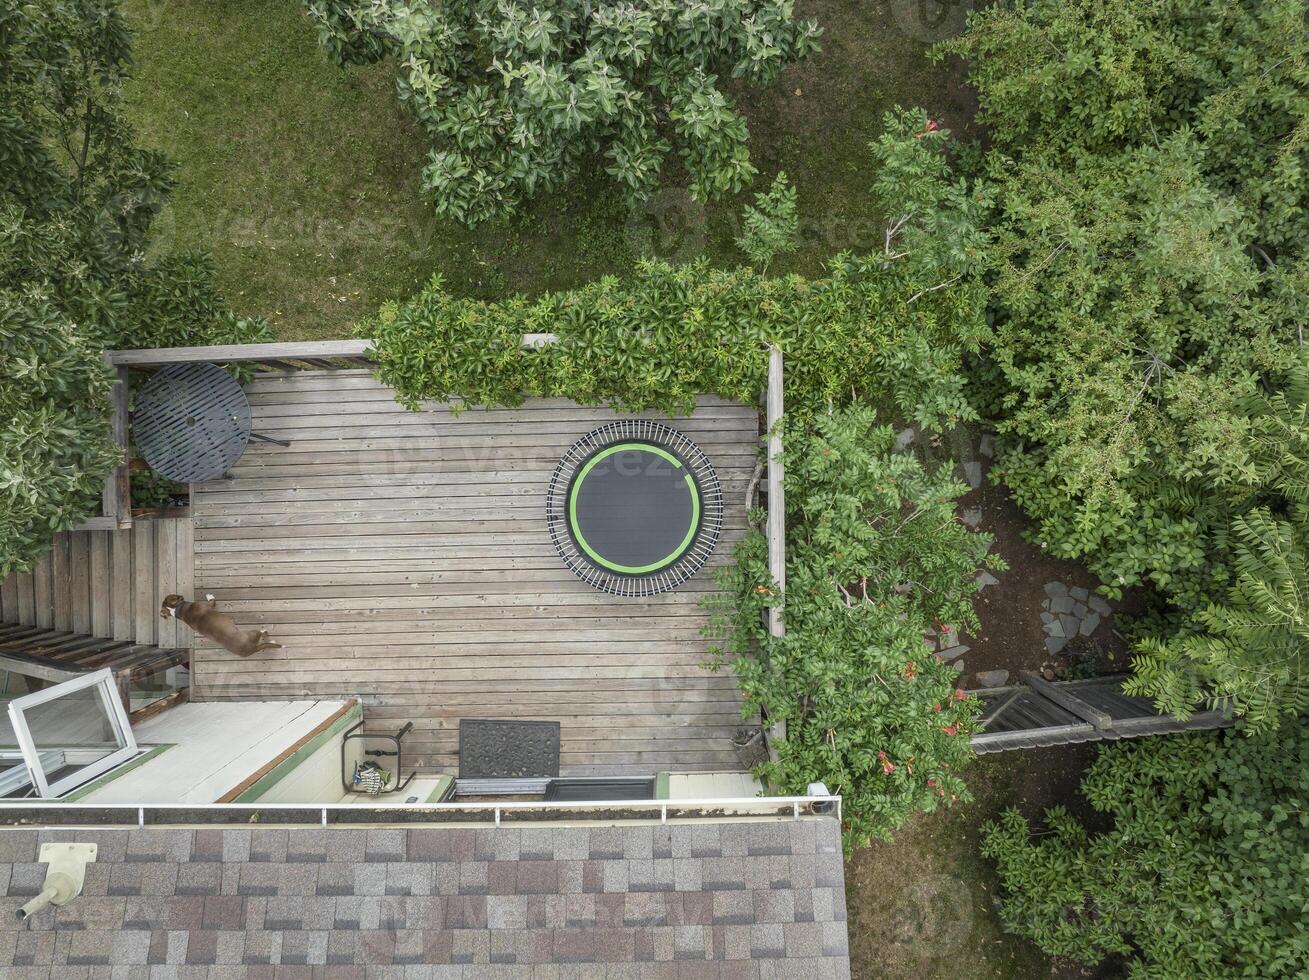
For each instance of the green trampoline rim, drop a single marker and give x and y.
(678, 552)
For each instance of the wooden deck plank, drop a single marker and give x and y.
(61, 583)
(404, 557)
(42, 592)
(120, 560)
(9, 599)
(165, 577)
(185, 573)
(101, 584)
(79, 570)
(26, 601)
(145, 598)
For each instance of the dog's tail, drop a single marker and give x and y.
(265, 643)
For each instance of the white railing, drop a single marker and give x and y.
(488, 812)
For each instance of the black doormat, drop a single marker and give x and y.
(508, 749)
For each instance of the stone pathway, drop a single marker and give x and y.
(1069, 612)
(1066, 611)
(946, 644)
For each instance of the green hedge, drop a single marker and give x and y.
(671, 332)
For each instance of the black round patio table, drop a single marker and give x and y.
(191, 422)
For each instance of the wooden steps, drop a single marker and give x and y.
(108, 584)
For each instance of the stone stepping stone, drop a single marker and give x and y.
(973, 474)
(986, 578)
(992, 678)
(972, 517)
(986, 445)
(951, 652)
(1053, 644)
(1090, 623)
(1099, 605)
(1053, 589)
(1061, 604)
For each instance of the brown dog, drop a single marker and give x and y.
(205, 619)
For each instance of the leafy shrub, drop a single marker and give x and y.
(1148, 266)
(770, 225)
(514, 97)
(77, 199)
(1202, 874)
(673, 332)
(55, 450)
(875, 559)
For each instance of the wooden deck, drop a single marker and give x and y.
(403, 557)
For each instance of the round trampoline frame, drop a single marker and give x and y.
(707, 497)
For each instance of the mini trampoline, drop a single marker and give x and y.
(634, 508)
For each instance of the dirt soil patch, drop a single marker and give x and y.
(1011, 637)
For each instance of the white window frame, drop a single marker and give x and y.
(108, 690)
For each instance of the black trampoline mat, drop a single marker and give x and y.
(634, 508)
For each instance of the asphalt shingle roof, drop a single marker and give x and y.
(720, 899)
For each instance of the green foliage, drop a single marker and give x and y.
(1249, 647)
(1247, 644)
(515, 97)
(770, 225)
(672, 332)
(935, 218)
(1148, 265)
(77, 198)
(1202, 874)
(875, 559)
(890, 328)
(55, 449)
(1148, 268)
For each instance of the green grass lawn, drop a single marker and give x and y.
(925, 906)
(303, 179)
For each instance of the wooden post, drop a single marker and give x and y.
(117, 496)
(776, 513)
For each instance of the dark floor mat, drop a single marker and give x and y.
(508, 749)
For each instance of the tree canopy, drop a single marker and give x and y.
(77, 200)
(514, 97)
(1147, 275)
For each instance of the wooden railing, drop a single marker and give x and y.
(308, 355)
(301, 355)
